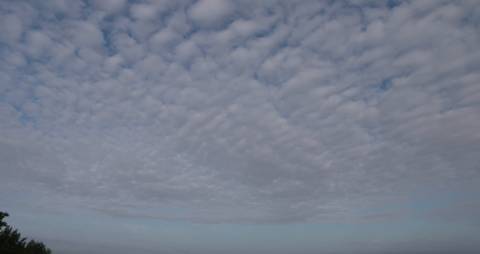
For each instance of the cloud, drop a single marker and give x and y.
(208, 13)
(110, 6)
(12, 27)
(216, 111)
(85, 34)
(143, 11)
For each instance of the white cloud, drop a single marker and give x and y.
(271, 112)
(85, 34)
(143, 11)
(210, 13)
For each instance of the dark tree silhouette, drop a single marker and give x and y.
(12, 242)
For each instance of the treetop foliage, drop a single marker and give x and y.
(12, 242)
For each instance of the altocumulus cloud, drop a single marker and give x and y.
(239, 111)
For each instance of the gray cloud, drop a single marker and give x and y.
(280, 111)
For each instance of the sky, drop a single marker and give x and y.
(241, 127)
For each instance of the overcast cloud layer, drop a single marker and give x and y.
(244, 112)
